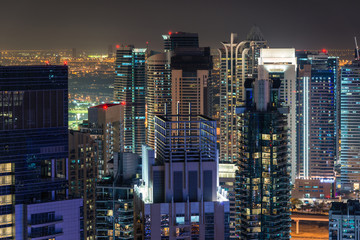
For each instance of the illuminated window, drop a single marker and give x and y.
(266, 149)
(5, 200)
(110, 213)
(6, 180)
(180, 220)
(194, 219)
(5, 167)
(5, 219)
(265, 137)
(6, 232)
(165, 231)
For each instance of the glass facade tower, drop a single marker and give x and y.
(317, 89)
(129, 89)
(33, 148)
(349, 122)
(262, 185)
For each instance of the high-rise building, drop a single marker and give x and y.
(105, 126)
(180, 40)
(110, 51)
(280, 63)
(238, 60)
(344, 220)
(114, 200)
(183, 86)
(262, 181)
(74, 53)
(226, 181)
(129, 90)
(158, 91)
(33, 149)
(317, 118)
(350, 131)
(179, 197)
(82, 171)
(190, 81)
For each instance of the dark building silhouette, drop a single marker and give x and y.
(180, 40)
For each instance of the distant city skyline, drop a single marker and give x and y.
(89, 25)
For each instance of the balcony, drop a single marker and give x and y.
(40, 236)
(46, 222)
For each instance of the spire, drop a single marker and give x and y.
(255, 34)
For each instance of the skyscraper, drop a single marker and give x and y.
(82, 176)
(105, 126)
(33, 149)
(349, 122)
(180, 40)
(238, 61)
(158, 91)
(190, 81)
(114, 200)
(317, 87)
(262, 181)
(178, 197)
(129, 90)
(280, 63)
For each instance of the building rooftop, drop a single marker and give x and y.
(255, 34)
(105, 106)
(352, 207)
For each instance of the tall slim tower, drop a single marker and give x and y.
(158, 91)
(129, 89)
(280, 63)
(82, 176)
(317, 114)
(262, 181)
(238, 61)
(349, 122)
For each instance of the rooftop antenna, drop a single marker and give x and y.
(357, 49)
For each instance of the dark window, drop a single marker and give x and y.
(178, 186)
(193, 185)
(207, 185)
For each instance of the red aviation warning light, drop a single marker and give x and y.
(324, 50)
(123, 103)
(105, 107)
(170, 33)
(65, 63)
(118, 46)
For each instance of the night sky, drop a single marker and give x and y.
(94, 24)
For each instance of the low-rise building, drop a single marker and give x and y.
(313, 188)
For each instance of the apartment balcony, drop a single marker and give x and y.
(45, 222)
(41, 236)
